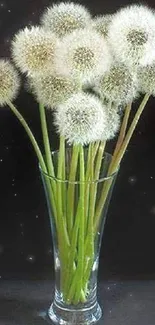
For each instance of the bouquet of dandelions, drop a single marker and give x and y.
(86, 70)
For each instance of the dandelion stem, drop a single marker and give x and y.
(71, 189)
(80, 266)
(116, 162)
(123, 129)
(63, 239)
(75, 290)
(92, 152)
(89, 242)
(46, 143)
(37, 151)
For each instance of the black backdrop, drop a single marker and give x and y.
(25, 242)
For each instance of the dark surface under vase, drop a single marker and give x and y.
(24, 302)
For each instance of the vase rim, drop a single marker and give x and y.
(102, 179)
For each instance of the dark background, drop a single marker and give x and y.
(25, 242)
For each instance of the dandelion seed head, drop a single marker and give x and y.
(9, 82)
(146, 79)
(84, 53)
(113, 123)
(132, 35)
(65, 17)
(117, 85)
(34, 50)
(81, 119)
(52, 90)
(101, 24)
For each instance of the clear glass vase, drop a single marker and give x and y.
(77, 212)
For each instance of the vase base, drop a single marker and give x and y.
(68, 316)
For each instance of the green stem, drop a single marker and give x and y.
(47, 148)
(130, 132)
(75, 289)
(30, 135)
(63, 239)
(72, 254)
(38, 153)
(60, 181)
(71, 189)
(89, 246)
(116, 162)
(99, 160)
(92, 152)
(89, 243)
(123, 129)
(64, 183)
(80, 265)
(60, 177)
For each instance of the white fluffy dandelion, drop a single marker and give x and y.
(84, 53)
(146, 79)
(9, 82)
(52, 90)
(65, 17)
(101, 24)
(113, 123)
(118, 84)
(132, 35)
(34, 50)
(81, 119)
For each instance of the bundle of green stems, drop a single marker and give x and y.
(77, 224)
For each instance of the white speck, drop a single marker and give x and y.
(131, 294)
(37, 217)
(110, 311)
(1, 160)
(0, 277)
(21, 225)
(151, 177)
(7, 147)
(15, 194)
(108, 288)
(115, 284)
(9, 10)
(30, 258)
(132, 180)
(2, 5)
(22, 233)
